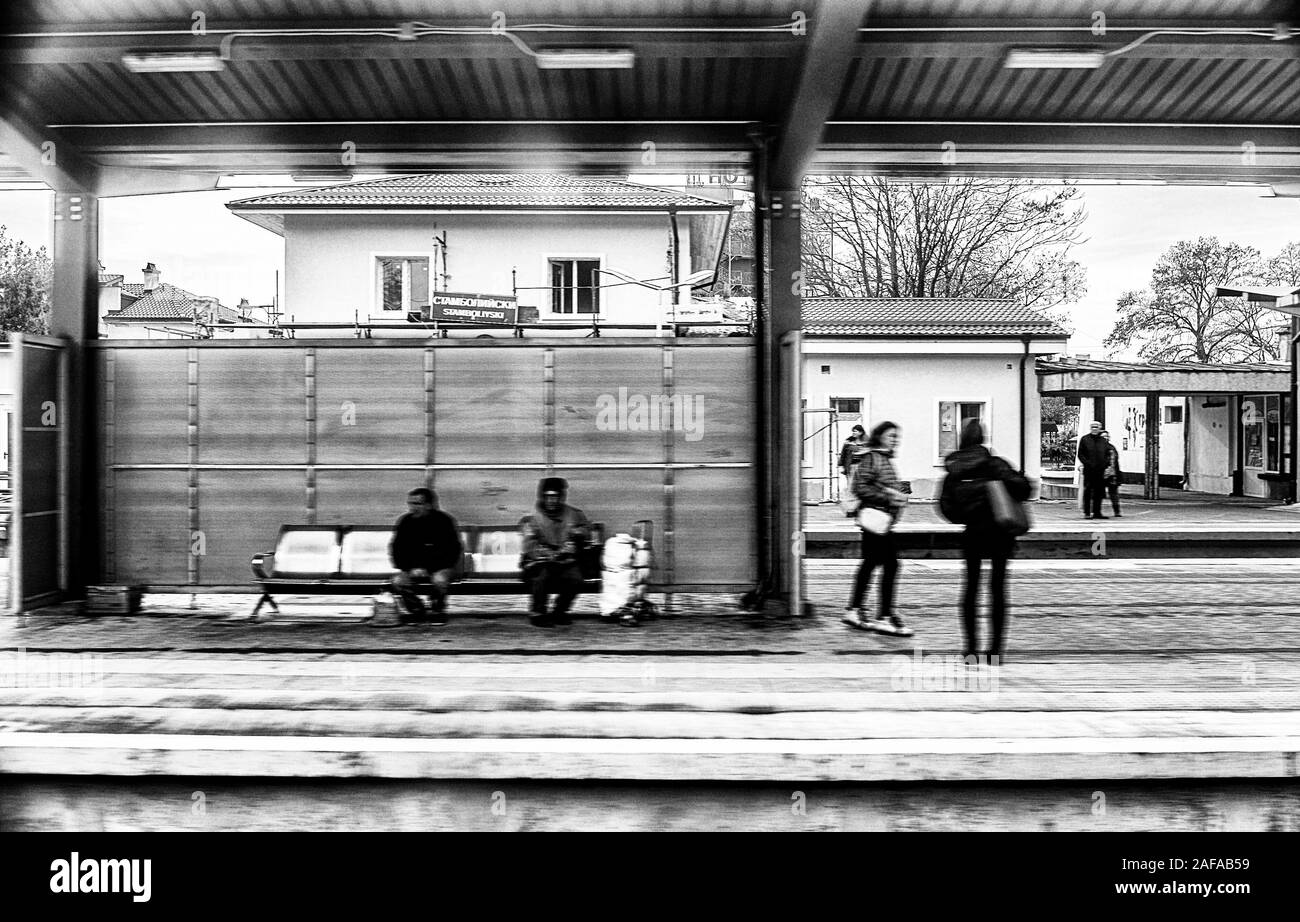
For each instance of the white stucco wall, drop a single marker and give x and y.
(330, 268)
(110, 299)
(907, 388)
(1125, 420)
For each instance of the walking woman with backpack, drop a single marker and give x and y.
(881, 497)
(984, 493)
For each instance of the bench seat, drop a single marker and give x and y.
(353, 560)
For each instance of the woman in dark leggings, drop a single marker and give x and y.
(876, 486)
(965, 500)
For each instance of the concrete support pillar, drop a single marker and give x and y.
(74, 317)
(782, 360)
(1151, 479)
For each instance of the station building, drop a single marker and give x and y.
(926, 364)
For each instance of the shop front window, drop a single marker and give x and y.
(1272, 434)
(1252, 431)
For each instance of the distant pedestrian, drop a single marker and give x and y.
(852, 452)
(964, 498)
(1092, 456)
(1112, 474)
(882, 496)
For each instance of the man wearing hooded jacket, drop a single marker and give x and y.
(554, 535)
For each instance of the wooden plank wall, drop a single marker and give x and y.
(214, 446)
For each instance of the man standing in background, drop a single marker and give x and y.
(1094, 451)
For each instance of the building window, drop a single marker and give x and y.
(1173, 415)
(848, 409)
(403, 283)
(953, 415)
(575, 286)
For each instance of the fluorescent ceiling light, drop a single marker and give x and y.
(585, 58)
(322, 176)
(172, 62)
(1044, 58)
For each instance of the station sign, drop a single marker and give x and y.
(463, 307)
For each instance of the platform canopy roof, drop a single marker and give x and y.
(1182, 90)
(1075, 377)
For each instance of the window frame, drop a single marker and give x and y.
(862, 403)
(377, 280)
(986, 419)
(549, 260)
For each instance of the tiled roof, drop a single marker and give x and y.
(929, 317)
(166, 302)
(108, 279)
(474, 191)
(1058, 366)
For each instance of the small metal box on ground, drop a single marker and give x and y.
(112, 600)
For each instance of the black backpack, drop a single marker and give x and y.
(964, 501)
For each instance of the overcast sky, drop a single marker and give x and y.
(202, 247)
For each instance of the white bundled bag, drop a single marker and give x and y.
(619, 579)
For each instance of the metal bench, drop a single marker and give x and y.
(353, 560)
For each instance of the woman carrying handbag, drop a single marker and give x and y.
(881, 497)
(987, 495)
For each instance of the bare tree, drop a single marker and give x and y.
(966, 238)
(1178, 319)
(1284, 268)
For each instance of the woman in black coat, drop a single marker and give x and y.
(964, 499)
(1113, 475)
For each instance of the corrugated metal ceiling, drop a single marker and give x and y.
(919, 62)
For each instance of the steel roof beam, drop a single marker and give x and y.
(109, 50)
(1155, 152)
(831, 49)
(45, 156)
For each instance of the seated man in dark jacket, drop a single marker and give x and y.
(554, 536)
(426, 549)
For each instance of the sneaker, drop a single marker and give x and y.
(629, 619)
(438, 619)
(900, 627)
(880, 625)
(540, 621)
(853, 618)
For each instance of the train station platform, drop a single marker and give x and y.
(1177, 525)
(1143, 695)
